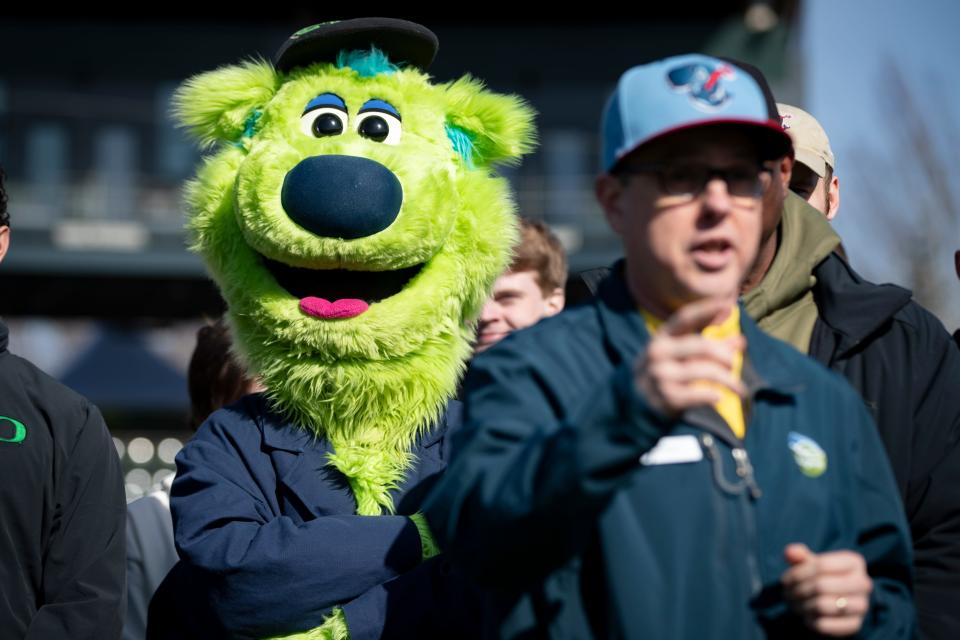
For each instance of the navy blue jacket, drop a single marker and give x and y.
(270, 543)
(549, 504)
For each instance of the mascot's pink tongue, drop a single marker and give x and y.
(343, 308)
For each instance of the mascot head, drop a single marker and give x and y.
(351, 219)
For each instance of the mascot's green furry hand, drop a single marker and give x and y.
(429, 545)
(334, 627)
(351, 219)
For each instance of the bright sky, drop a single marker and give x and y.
(847, 44)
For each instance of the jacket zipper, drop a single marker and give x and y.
(747, 491)
(745, 471)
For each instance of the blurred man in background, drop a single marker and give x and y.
(813, 177)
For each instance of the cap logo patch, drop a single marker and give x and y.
(808, 455)
(704, 83)
(785, 120)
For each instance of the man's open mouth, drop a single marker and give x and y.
(338, 293)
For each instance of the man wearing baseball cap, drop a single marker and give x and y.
(651, 465)
(813, 178)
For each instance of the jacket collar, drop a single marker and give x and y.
(623, 326)
(851, 306)
(278, 432)
(626, 334)
(765, 368)
(805, 238)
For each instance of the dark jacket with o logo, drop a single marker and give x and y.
(587, 515)
(62, 511)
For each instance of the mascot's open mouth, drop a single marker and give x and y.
(338, 293)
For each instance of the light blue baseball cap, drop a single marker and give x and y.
(687, 91)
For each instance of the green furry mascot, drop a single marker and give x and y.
(350, 217)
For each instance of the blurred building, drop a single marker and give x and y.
(98, 285)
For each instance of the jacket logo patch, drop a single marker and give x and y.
(19, 431)
(809, 456)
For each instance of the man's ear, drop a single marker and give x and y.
(833, 197)
(553, 302)
(221, 105)
(608, 189)
(487, 128)
(4, 241)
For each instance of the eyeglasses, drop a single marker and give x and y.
(743, 181)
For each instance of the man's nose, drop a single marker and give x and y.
(716, 196)
(489, 311)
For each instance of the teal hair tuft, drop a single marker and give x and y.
(462, 143)
(368, 64)
(249, 127)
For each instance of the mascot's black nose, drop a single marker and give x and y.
(341, 196)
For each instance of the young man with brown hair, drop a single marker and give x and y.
(530, 290)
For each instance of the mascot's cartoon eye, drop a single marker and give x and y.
(379, 121)
(325, 115)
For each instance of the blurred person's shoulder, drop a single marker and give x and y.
(28, 389)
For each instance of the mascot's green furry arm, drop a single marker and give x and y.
(353, 225)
